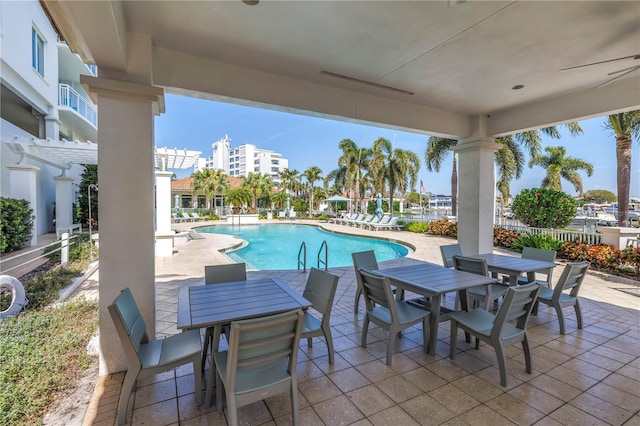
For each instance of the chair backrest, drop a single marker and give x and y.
(385, 219)
(377, 291)
(394, 221)
(320, 290)
(365, 260)
(515, 309)
(541, 254)
(214, 274)
(448, 251)
(292, 213)
(269, 342)
(571, 279)
(469, 264)
(129, 323)
(282, 214)
(375, 220)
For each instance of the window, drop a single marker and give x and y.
(37, 52)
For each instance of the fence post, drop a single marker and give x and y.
(64, 248)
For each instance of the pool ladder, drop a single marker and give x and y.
(302, 256)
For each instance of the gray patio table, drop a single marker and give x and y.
(432, 281)
(514, 266)
(214, 305)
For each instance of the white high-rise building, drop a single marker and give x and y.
(245, 159)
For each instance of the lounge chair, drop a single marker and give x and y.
(374, 226)
(362, 222)
(360, 217)
(187, 217)
(176, 218)
(342, 220)
(282, 215)
(373, 221)
(197, 217)
(292, 215)
(391, 224)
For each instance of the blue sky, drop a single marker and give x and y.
(306, 141)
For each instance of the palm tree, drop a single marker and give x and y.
(211, 182)
(289, 180)
(352, 165)
(399, 167)
(558, 166)
(509, 158)
(625, 126)
(312, 174)
(280, 199)
(238, 197)
(259, 184)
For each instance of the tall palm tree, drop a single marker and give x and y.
(559, 165)
(280, 199)
(352, 164)
(625, 125)
(211, 182)
(312, 174)
(399, 167)
(239, 196)
(509, 158)
(289, 179)
(259, 184)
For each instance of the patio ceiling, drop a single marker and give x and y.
(427, 66)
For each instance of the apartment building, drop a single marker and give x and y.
(245, 159)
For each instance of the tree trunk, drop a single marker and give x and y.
(623, 159)
(454, 188)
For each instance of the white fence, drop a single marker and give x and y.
(564, 235)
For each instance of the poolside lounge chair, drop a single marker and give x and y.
(187, 217)
(342, 220)
(364, 221)
(176, 218)
(373, 226)
(292, 215)
(197, 217)
(282, 215)
(373, 221)
(347, 222)
(392, 224)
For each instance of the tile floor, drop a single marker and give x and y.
(587, 377)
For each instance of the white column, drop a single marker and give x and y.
(476, 194)
(164, 234)
(52, 125)
(126, 176)
(64, 201)
(23, 185)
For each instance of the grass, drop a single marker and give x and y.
(41, 354)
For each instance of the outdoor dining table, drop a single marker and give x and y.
(513, 266)
(432, 281)
(215, 305)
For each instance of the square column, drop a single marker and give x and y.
(476, 195)
(126, 196)
(23, 185)
(64, 201)
(164, 234)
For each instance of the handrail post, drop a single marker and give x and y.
(64, 252)
(326, 255)
(303, 251)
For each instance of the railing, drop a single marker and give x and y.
(64, 243)
(67, 96)
(326, 255)
(303, 252)
(564, 235)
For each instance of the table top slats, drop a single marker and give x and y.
(508, 264)
(435, 279)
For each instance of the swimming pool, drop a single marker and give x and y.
(276, 246)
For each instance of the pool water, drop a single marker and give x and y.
(273, 247)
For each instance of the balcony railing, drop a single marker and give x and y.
(67, 96)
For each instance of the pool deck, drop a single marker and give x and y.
(589, 376)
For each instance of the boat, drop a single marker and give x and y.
(595, 214)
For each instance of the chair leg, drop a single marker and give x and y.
(390, 343)
(425, 334)
(125, 392)
(218, 392)
(232, 409)
(578, 314)
(197, 376)
(560, 318)
(329, 338)
(309, 342)
(501, 364)
(357, 300)
(365, 330)
(294, 401)
(527, 353)
(208, 335)
(453, 338)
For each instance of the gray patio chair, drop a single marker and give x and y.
(389, 313)
(216, 274)
(571, 279)
(366, 260)
(448, 251)
(481, 295)
(539, 254)
(147, 357)
(261, 362)
(320, 290)
(505, 328)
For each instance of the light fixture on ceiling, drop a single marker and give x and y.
(368, 83)
(250, 2)
(518, 87)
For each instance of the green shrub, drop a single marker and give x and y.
(419, 227)
(41, 354)
(79, 251)
(631, 256)
(44, 287)
(544, 242)
(444, 227)
(544, 208)
(503, 237)
(15, 224)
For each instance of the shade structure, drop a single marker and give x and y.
(337, 198)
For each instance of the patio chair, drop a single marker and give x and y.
(320, 290)
(261, 362)
(505, 328)
(481, 295)
(389, 313)
(392, 224)
(292, 215)
(187, 217)
(366, 260)
(448, 251)
(197, 217)
(385, 219)
(148, 357)
(571, 279)
(539, 254)
(348, 221)
(282, 215)
(368, 218)
(216, 274)
(373, 221)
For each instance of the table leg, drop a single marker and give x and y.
(434, 321)
(464, 306)
(209, 384)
